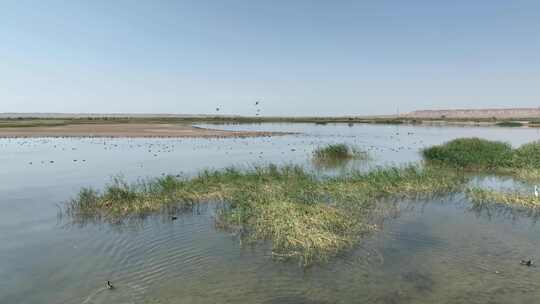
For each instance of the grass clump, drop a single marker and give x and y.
(482, 196)
(303, 215)
(476, 154)
(470, 153)
(337, 151)
(509, 124)
(527, 156)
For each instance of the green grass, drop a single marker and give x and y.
(509, 124)
(471, 153)
(475, 153)
(304, 216)
(527, 156)
(338, 151)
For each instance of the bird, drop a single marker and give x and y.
(174, 218)
(256, 102)
(536, 191)
(526, 262)
(109, 285)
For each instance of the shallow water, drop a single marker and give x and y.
(438, 251)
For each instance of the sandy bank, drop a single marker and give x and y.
(127, 130)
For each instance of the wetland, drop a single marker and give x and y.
(260, 220)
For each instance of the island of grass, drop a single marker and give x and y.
(303, 215)
(336, 155)
(512, 124)
(480, 155)
(338, 151)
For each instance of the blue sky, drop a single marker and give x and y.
(298, 57)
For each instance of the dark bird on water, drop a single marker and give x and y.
(526, 262)
(174, 217)
(109, 285)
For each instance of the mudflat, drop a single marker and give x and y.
(126, 130)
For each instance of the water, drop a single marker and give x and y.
(438, 251)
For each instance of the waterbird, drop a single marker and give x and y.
(109, 285)
(536, 191)
(526, 262)
(174, 218)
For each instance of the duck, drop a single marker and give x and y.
(526, 262)
(109, 285)
(174, 217)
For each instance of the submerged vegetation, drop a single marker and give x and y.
(303, 215)
(482, 196)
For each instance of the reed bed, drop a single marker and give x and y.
(305, 217)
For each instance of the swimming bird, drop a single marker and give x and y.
(536, 191)
(526, 262)
(174, 218)
(109, 285)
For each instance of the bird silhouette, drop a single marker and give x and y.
(109, 285)
(526, 262)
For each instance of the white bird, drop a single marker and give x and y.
(536, 191)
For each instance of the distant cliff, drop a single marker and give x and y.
(477, 113)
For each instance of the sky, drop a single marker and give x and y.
(296, 57)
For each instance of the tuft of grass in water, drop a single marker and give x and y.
(482, 196)
(336, 155)
(337, 151)
(303, 215)
(471, 153)
(509, 124)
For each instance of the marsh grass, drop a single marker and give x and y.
(334, 155)
(527, 156)
(509, 124)
(470, 153)
(476, 153)
(513, 199)
(305, 216)
(334, 151)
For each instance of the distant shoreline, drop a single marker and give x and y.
(167, 125)
(127, 130)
